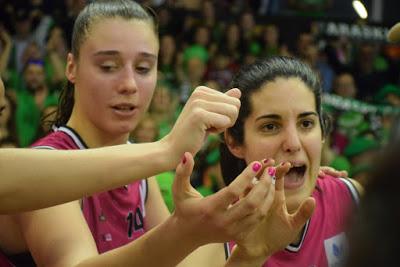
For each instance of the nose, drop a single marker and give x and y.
(291, 142)
(128, 84)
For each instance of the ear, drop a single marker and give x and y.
(236, 149)
(70, 70)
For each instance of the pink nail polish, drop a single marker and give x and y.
(256, 166)
(266, 161)
(271, 171)
(183, 159)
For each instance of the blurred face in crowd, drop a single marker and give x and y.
(271, 35)
(345, 86)
(34, 76)
(195, 69)
(167, 45)
(305, 40)
(5, 112)
(233, 33)
(202, 36)
(146, 131)
(208, 10)
(2, 98)
(247, 22)
(162, 100)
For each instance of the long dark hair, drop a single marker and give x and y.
(251, 79)
(93, 12)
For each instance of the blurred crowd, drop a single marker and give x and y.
(204, 43)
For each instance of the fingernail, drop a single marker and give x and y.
(183, 159)
(271, 171)
(266, 161)
(256, 166)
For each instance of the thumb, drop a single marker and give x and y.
(234, 92)
(304, 212)
(182, 176)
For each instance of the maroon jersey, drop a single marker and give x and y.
(115, 217)
(4, 261)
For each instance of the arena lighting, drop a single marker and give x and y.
(360, 9)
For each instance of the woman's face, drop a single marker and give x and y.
(284, 125)
(162, 100)
(115, 75)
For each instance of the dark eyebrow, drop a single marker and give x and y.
(106, 53)
(306, 114)
(116, 53)
(276, 116)
(268, 116)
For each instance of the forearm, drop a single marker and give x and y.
(34, 178)
(164, 246)
(241, 259)
(210, 255)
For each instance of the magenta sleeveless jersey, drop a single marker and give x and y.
(115, 217)
(4, 261)
(323, 242)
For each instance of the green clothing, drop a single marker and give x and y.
(28, 116)
(165, 181)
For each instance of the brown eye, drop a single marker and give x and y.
(143, 70)
(307, 124)
(108, 68)
(270, 127)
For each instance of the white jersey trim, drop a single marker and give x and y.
(71, 134)
(44, 147)
(291, 248)
(296, 248)
(353, 190)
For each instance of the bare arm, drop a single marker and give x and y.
(62, 230)
(37, 178)
(32, 179)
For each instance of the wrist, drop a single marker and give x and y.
(183, 233)
(172, 154)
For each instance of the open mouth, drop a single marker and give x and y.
(123, 108)
(294, 178)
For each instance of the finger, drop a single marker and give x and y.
(254, 200)
(234, 190)
(321, 174)
(303, 213)
(182, 176)
(345, 174)
(265, 163)
(281, 170)
(270, 196)
(217, 123)
(226, 109)
(234, 92)
(203, 92)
